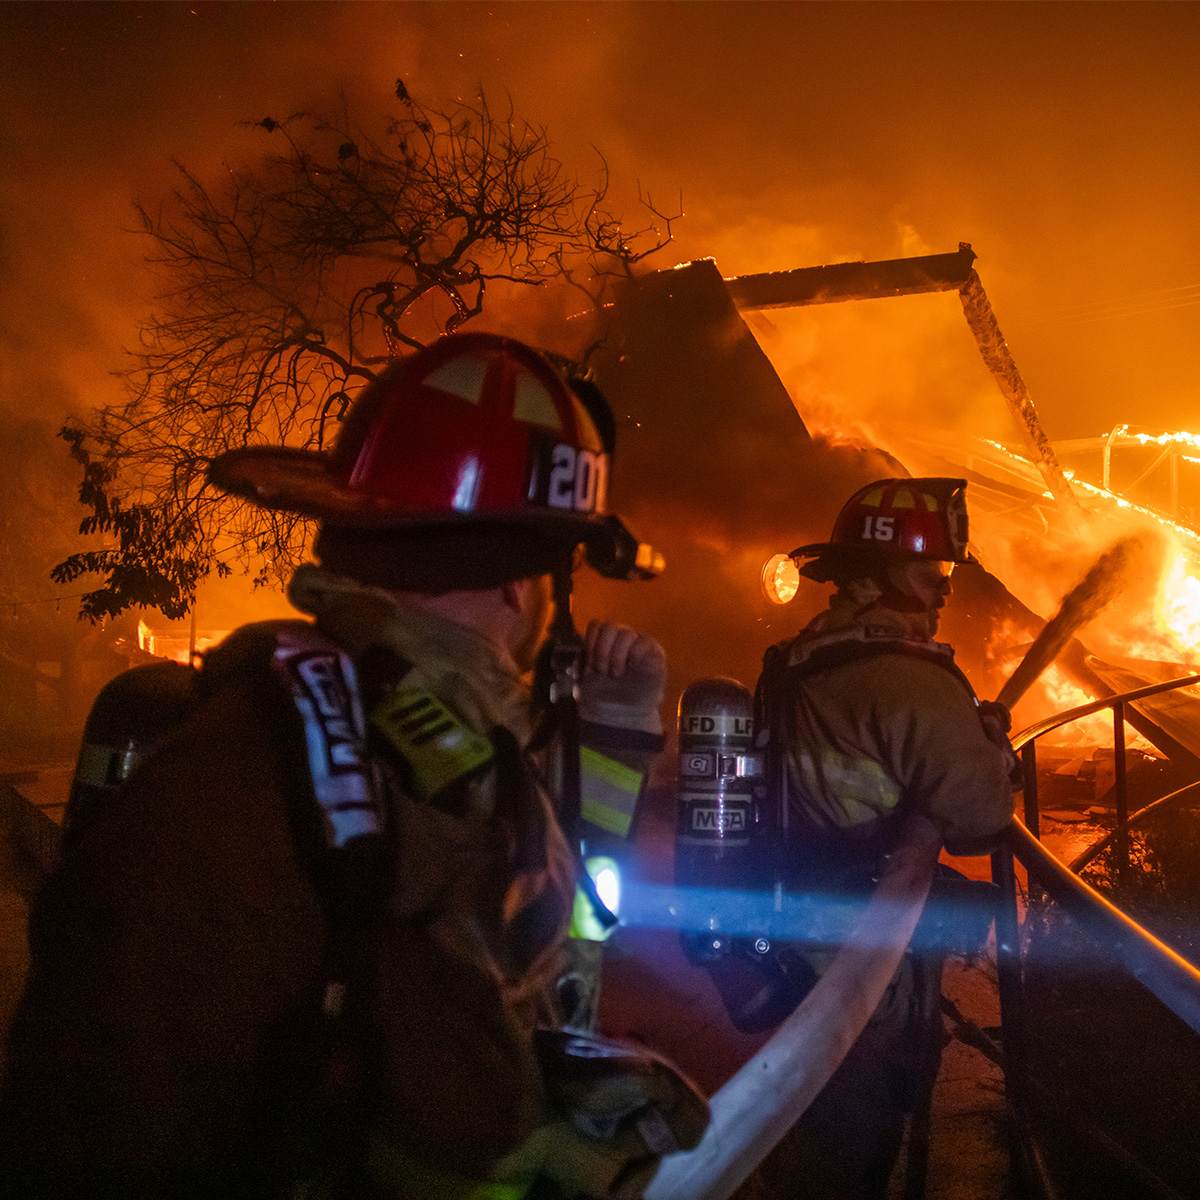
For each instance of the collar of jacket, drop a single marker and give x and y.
(881, 620)
(457, 664)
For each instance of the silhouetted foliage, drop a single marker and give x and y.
(288, 287)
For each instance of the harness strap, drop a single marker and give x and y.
(802, 658)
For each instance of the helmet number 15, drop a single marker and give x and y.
(578, 479)
(879, 529)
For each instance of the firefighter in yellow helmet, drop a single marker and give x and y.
(310, 943)
(869, 721)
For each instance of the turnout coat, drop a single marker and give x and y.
(212, 994)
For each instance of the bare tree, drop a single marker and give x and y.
(292, 285)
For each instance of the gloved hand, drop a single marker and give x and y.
(624, 677)
(995, 717)
(997, 721)
(617, 1109)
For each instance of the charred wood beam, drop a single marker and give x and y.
(1000, 362)
(910, 276)
(853, 280)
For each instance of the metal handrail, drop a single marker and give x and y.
(1152, 963)
(1034, 731)
(1164, 973)
(1025, 741)
(1093, 852)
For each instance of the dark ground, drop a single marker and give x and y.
(1107, 1053)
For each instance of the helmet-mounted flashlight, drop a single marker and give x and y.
(780, 578)
(619, 555)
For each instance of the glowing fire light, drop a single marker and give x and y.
(1179, 604)
(1059, 693)
(177, 649)
(780, 579)
(1163, 439)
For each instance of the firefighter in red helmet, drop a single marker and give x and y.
(869, 726)
(311, 945)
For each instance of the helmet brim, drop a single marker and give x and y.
(828, 560)
(286, 479)
(831, 550)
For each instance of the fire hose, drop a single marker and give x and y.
(755, 1108)
(752, 1111)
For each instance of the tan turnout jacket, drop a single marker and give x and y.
(885, 730)
(182, 937)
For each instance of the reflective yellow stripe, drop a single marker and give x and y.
(859, 788)
(609, 791)
(432, 739)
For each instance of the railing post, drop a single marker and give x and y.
(1120, 790)
(1030, 788)
(1029, 792)
(1008, 968)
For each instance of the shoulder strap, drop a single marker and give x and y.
(321, 1071)
(768, 723)
(836, 650)
(308, 695)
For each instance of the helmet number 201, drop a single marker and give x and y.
(879, 529)
(578, 479)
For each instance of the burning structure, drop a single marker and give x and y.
(685, 342)
(681, 345)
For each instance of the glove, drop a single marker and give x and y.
(997, 721)
(618, 1109)
(995, 717)
(624, 678)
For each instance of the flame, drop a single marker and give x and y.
(1172, 623)
(1059, 693)
(1055, 691)
(1179, 605)
(177, 649)
(1162, 439)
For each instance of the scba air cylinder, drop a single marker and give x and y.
(718, 770)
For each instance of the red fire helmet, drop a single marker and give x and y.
(896, 519)
(474, 428)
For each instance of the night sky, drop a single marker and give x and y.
(1061, 140)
